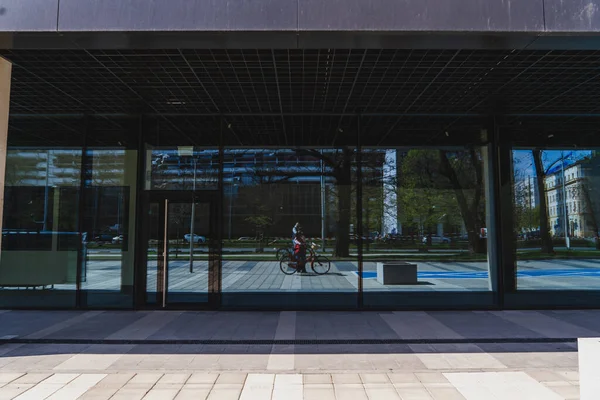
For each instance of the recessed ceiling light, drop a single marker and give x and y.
(175, 102)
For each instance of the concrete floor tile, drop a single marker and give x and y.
(193, 393)
(129, 394)
(374, 378)
(567, 392)
(161, 394)
(173, 379)
(407, 393)
(145, 378)
(201, 377)
(99, 393)
(34, 378)
(339, 379)
(40, 391)
(382, 392)
(317, 378)
(77, 387)
(288, 392)
(557, 383)
(445, 393)
(10, 391)
(81, 362)
(259, 380)
(8, 377)
(569, 375)
(431, 377)
(545, 375)
(509, 385)
(218, 393)
(231, 378)
(288, 379)
(406, 377)
(351, 391)
(115, 380)
(311, 393)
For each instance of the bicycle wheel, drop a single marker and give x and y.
(288, 267)
(283, 254)
(321, 265)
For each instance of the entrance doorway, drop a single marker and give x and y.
(180, 250)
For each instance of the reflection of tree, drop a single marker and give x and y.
(464, 171)
(442, 183)
(419, 191)
(261, 203)
(337, 164)
(540, 173)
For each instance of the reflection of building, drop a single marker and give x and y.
(575, 204)
(527, 193)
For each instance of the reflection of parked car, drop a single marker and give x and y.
(104, 237)
(245, 238)
(117, 239)
(437, 239)
(197, 238)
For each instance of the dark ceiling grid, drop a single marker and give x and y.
(205, 79)
(584, 81)
(430, 81)
(504, 82)
(285, 135)
(528, 80)
(388, 86)
(371, 84)
(282, 82)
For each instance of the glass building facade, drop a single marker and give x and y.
(421, 179)
(130, 214)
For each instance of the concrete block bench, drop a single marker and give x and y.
(396, 273)
(588, 352)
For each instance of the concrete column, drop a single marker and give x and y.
(5, 73)
(390, 195)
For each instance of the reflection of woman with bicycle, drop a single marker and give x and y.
(300, 252)
(296, 261)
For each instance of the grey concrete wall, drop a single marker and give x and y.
(224, 17)
(572, 15)
(177, 15)
(422, 15)
(28, 15)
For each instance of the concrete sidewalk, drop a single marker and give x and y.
(113, 327)
(292, 355)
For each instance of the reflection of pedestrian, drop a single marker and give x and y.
(300, 252)
(295, 231)
(394, 231)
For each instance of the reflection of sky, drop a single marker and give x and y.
(523, 160)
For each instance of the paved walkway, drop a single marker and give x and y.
(250, 327)
(292, 355)
(265, 276)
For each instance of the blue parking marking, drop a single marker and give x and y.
(535, 273)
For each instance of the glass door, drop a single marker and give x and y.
(180, 250)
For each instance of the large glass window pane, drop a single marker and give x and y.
(555, 218)
(280, 179)
(109, 214)
(40, 236)
(426, 215)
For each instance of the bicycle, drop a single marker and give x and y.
(320, 264)
(282, 253)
